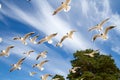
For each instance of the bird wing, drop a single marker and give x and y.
(43, 62)
(30, 51)
(71, 32)
(104, 21)
(20, 61)
(58, 10)
(27, 35)
(16, 38)
(35, 37)
(96, 36)
(63, 38)
(51, 35)
(67, 1)
(8, 48)
(12, 69)
(108, 28)
(42, 40)
(38, 56)
(2, 54)
(92, 28)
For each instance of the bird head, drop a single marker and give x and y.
(62, 2)
(34, 65)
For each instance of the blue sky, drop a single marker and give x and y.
(21, 17)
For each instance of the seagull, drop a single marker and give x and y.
(32, 73)
(64, 6)
(92, 53)
(29, 52)
(47, 38)
(68, 35)
(73, 70)
(44, 77)
(99, 26)
(42, 54)
(103, 35)
(17, 65)
(23, 39)
(6, 51)
(56, 79)
(39, 66)
(33, 40)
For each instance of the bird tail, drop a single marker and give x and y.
(67, 8)
(42, 69)
(59, 44)
(50, 41)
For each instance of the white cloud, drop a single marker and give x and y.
(116, 49)
(1, 39)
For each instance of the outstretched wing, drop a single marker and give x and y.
(67, 1)
(108, 28)
(92, 28)
(20, 61)
(42, 40)
(58, 10)
(96, 36)
(16, 38)
(12, 69)
(63, 38)
(104, 21)
(27, 35)
(43, 62)
(35, 37)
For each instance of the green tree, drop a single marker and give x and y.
(59, 76)
(99, 67)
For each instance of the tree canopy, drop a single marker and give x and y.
(99, 67)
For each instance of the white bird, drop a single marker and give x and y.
(99, 26)
(47, 38)
(42, 54)
(68, 35)
(73, 70)
(56, 79)
(29, 52)
(6, 51)
(40, 65)
(92, 53)
(17, 65)
(32, 73)
(104, 34)
(33, 40)
(44, 77)
(64, 6)
(23, 39)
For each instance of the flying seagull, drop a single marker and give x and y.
(92, 53)
(39, 66)
(64, 6)
(6, 51)
(99, 26)
(47, 38)
(68, 35)
(17, 65)
(23, 39)
(103, 35)
(42, 54)
(33, 40)
(73, 70)
(44, 77)
(29, 52)
(32, 73)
